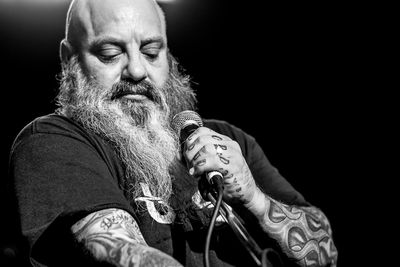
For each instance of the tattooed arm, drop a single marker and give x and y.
(303, 233)
(113, 236)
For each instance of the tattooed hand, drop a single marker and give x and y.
(303, 233)
(206, 150)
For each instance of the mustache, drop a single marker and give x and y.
(122, 88)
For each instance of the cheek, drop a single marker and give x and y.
(104, 78)
(104, 75)
(159, 74)
(159, 79)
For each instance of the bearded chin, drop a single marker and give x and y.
(139, 132)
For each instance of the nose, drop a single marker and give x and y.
(135, 69)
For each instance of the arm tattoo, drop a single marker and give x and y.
(303, 233)
(113, 236)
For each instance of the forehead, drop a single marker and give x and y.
(121, 18)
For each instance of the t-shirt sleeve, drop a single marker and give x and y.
(59, 178)
(268, 177)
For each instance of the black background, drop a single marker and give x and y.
(301, 79)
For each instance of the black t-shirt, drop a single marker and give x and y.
(61, 173)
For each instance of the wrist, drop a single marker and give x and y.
(257, 204)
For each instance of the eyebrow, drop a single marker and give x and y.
(151, 40)
(106, 40)
(113, 40)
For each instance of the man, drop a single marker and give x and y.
(103, 181)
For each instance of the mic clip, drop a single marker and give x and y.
(211, 184)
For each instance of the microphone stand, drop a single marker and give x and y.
(234, 221)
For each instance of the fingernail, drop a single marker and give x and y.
(201, 162)
(191, 147)
(191, 171)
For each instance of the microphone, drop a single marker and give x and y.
(211, 188)
(185, 123)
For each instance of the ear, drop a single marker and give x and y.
(66, 51)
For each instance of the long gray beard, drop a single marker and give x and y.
(139, 132)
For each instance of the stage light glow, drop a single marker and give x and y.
(62, 1)
(35, 1)
(166, 1)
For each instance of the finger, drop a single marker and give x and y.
(198, 153)
(205, 160)
(193, 148)
(198, 132)
(220, 148)
(204, 131)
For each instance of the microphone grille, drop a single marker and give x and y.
(184, 118)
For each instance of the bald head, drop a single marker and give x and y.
(84, 17)
(117, 40)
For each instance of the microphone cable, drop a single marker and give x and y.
(217, 207)
(185, 123)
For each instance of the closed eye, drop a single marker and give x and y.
(108, 53)
(152, 47)
(151, 53)
(107, 49)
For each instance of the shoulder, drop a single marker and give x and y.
(54, 128)
(51, 123)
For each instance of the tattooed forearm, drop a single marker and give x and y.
(113, 236)
(303, 233)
